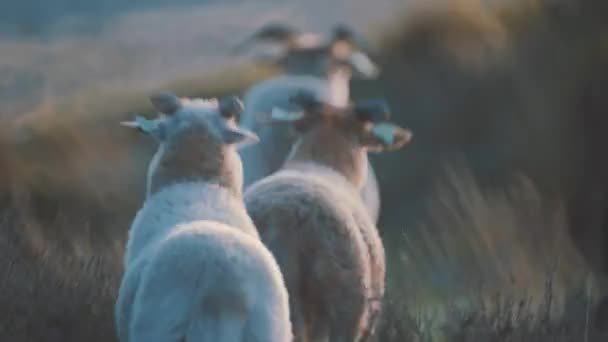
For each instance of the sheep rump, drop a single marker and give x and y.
(320, 233)
(197, 271)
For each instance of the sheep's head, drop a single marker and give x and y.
(349, 49)
(364, 124)
(214, 119)
(196, 138)
(344, 49)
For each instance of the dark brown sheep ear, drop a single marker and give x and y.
(344, 33)
(231, 107)
(373, 110)
(307, 100)
(386, 136)
(380, 134)
(352, 49)
(239, 136)
(280, 114)
(166, 102)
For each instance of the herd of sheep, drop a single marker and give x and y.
(259, 222)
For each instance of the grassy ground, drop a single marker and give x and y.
(490, 222)
(489, 266)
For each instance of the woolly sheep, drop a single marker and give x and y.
(195, 268)
(309, 64)
(309, 215)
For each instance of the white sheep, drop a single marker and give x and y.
(309, 215)
(195, 268)
(310, 64)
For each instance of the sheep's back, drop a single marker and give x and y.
(300, 194)
(309, 221)
(226, 257)
(183, 203)
(316, 197)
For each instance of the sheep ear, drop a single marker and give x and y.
(283, 115)
(343, 32)
(239, 136)
(231, 107)
(150, 127)
(276, 32)
(387, 136)
(142, 124)
(373, 110)
(361, 63)
(166, 102)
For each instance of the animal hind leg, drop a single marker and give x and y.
(335, 319)
(346, 321)
(300, 329)
(318, 329)
(124, 303)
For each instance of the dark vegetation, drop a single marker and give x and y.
(494, 219)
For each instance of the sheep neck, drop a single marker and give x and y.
(173, 166)
(339, 87)
(326, 148)
(310, 62)
(337, 78)
(315, 65)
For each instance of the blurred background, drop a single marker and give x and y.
(494, 219)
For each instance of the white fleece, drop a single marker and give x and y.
(310, 204)
(197, 271)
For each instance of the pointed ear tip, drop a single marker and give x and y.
(130, 124)
(374, 69)
(406, 137)
(409, 135)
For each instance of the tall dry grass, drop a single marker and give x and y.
(489, 265)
